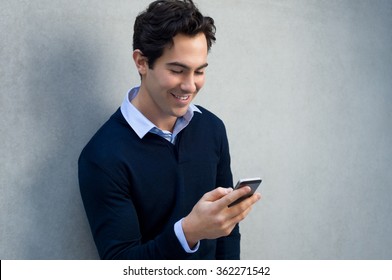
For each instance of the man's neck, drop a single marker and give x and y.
(162, 122)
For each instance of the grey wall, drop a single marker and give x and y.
(304, 88)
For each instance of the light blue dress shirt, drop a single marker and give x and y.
(141, 125)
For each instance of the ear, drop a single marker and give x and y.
(141, 61)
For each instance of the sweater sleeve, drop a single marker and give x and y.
(114, 221)
(227, 247)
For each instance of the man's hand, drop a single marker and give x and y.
(211, 217)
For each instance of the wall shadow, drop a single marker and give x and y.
(64, 107)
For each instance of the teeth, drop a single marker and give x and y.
(186, 97)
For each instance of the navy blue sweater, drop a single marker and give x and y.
(134, 190)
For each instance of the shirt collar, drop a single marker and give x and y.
(141, 125)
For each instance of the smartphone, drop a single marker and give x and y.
(253, 183)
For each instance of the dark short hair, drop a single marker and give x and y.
(155, 27)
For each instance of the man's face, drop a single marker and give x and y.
(168, 89)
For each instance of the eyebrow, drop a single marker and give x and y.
(179, 64)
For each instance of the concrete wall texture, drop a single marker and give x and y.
(303, 86)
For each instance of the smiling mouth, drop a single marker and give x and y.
(181, 97)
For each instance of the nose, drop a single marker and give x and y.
(188, 84)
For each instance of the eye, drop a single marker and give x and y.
(176, 71)
(199, 73)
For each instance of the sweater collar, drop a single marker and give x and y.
(141, 125)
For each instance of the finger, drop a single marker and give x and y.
(233, 220)
(248, 201)
(233, 196)
(243, 206)
(241, 216)
(217, 194)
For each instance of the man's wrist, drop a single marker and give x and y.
(186, 245)
(190, 238)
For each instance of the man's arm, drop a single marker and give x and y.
(114, 222)
(211, 217)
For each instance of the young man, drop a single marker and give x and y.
(155, 179)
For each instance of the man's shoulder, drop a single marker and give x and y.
(207, 123)
(208, 117)
(109, 138)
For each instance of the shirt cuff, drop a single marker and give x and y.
(181, 237)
